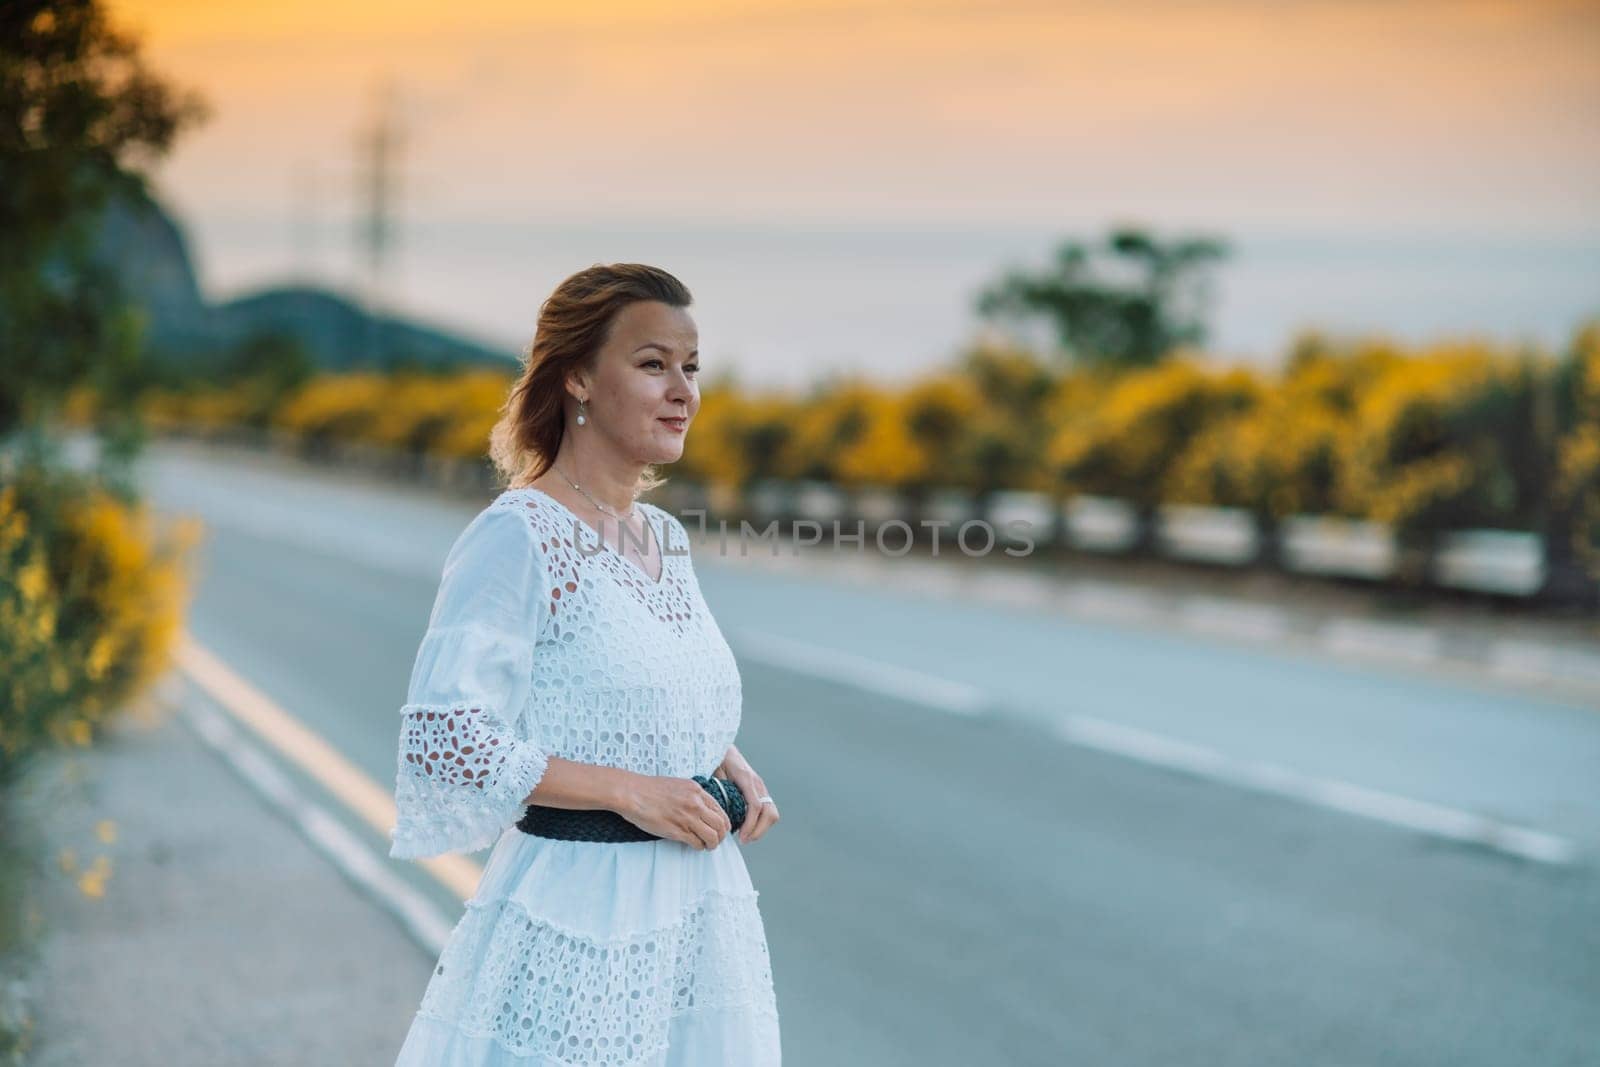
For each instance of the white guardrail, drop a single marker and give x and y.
(1505, 562)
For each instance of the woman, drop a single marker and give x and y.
(570, 663)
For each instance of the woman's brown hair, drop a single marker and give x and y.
(574, 322)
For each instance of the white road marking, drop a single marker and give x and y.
(356, 792)
(1520, 662)
(901, 683)
(426, 925)
(1382, 640)
(1146, 747)
(1528, 661)
(1019, 590)
(1353, 639)
(1109, 601)
(1330, 793)
(1233, 618)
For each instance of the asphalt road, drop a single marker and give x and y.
(959, 889)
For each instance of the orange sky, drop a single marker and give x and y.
(1307, 115)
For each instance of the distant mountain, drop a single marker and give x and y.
(341, 336)
(145, 245)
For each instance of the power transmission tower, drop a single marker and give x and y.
(306, 192)
(379, 144)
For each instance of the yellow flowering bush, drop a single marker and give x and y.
(1071, 407)
(996, 451)
(444, 414)
(336, 407)
(1134, 434)
(415, 408)
(1335, 374)
(474, 402)
(1280, 456)
(737, 438)
(1576, 491)
(981, 425)
(202, 408)
(1010, 381)
(707, 454)
(1444, 440)
(885, 452)
(939, 413)
(1455, 435)
(1276, 459)
(828, 424)
(91, 601)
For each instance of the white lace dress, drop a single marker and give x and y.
(545, 642)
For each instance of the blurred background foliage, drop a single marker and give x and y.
(1461, 434)
(92, 594)
(1127, 302)
(92, 597)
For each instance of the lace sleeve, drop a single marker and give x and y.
(463, 773)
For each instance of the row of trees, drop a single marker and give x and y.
(89, 592)
(1445, 437)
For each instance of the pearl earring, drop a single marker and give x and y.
(581, 418)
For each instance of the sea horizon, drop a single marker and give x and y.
(785, 304)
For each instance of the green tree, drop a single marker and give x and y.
(80, 118)
(1101, 318)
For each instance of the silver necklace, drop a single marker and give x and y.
(599, 506)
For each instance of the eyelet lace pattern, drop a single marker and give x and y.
(629, 673)
(454, 751)
(599, 1002)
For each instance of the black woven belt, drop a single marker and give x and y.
(603, 824)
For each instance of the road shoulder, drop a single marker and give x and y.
(185, 921)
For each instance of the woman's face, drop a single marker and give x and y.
(646, 373)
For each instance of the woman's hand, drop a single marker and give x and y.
(758, 817)
(675, 808)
